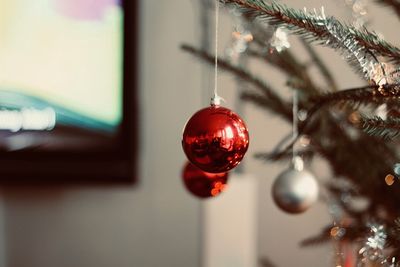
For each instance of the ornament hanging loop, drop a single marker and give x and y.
(216, 100)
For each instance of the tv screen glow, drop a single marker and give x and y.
(61, 74)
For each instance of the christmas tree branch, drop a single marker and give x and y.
(321, 66)
(285, 154)
(274, 156)
(264, 262)
(286, 62)
(349, 160)
(371, 94)
(265, 102)
(355, 96)
(361, 160)
(376, 126)
(351, 233)
(274, 103)
(359, 46)
(339, 156)
(321, 238)
(280, 153)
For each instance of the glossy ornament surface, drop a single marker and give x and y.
(294, 191)
(203, 184)
(215, 139)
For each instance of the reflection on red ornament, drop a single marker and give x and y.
(215, 139)
(203, 184)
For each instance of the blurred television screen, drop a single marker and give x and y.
(61, 74)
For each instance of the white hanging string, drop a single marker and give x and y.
(296, 160)
(216, 99)
(295, 110)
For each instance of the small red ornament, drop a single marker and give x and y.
(215, 139)
(203, 184)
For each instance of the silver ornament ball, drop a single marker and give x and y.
(295, 190)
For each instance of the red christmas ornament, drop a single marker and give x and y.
(203, 184)
(215, 139)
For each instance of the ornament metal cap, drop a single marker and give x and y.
(216, 100)
(297, 163)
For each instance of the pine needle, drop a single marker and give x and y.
(387, 129)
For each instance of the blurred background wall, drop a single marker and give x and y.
(156, 223)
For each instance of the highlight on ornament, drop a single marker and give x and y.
(203, 184)
(215, 139)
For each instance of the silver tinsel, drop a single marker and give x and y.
(362, 57)
(373, 249)
(359, 12)
(342, 38)
(378, 238)
(279, 40)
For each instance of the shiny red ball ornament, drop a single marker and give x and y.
(215, 139)
(203, 184)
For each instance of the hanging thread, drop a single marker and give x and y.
(295, 110)
(216, 99)
(296, 160)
